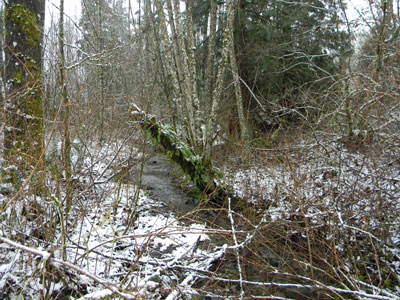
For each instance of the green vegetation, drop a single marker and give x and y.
(23, 139)
(25, 22)
(202, 173)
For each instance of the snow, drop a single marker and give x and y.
(99, 241)
(127, 242)
(101, 294)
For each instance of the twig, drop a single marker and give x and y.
(47, 256)
(306, 286)
(184, 284)
(236, 249)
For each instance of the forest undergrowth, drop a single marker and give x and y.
(320, 221)
(296, 103)
(332, 214)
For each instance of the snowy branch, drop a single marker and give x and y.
(306, 286)
(47, 256)
(236, 248)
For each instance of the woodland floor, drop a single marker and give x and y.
(321, 221)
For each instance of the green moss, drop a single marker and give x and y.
(25, 144)
(201, 173)
(25, 21)
(19, 77)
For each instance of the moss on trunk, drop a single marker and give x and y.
(24, 130)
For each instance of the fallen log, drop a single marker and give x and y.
(203, 175)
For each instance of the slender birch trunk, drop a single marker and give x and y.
(66, 139)
(345, 65)
(149, 49)
(211, 49)
(166, 49)
(177, 60)
(66, 151)
(216, 95)
(192, 74)
(100, 46)
(140, 39)
(188, 87)
(235, 71)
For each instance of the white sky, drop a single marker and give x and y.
(354, 7)
(72, 8)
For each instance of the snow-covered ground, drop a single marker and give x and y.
(115, 232)
(120, 242)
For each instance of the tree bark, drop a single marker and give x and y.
(100, 69)
(384, 31)
(211, 49)
(235, 70)
(24, 131)
(189, 85)
(193, 75)
(216, 95)
(66, 140)
(166, 50)
(178, 65)
(2, 81)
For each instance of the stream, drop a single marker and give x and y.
(159, 182)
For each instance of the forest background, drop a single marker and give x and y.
(283, 116)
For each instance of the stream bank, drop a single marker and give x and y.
(159, 179)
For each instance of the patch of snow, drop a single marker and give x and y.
(100, 294)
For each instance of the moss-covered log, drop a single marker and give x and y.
(204, 176)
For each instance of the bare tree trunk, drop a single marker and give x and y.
(24, 131)
(211, 49)
(100, 46)
(178, 58)
(149, 50)
(345, 63)
(235, 71)
(66, 138)
(177, 62)
(2, 65)
(192, 76)
(384, 29)
(166, 49)
(189, 86)
(216, 95)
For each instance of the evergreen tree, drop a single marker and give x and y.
(286, 51)
(284, 48)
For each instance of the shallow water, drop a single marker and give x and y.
(158, 181)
